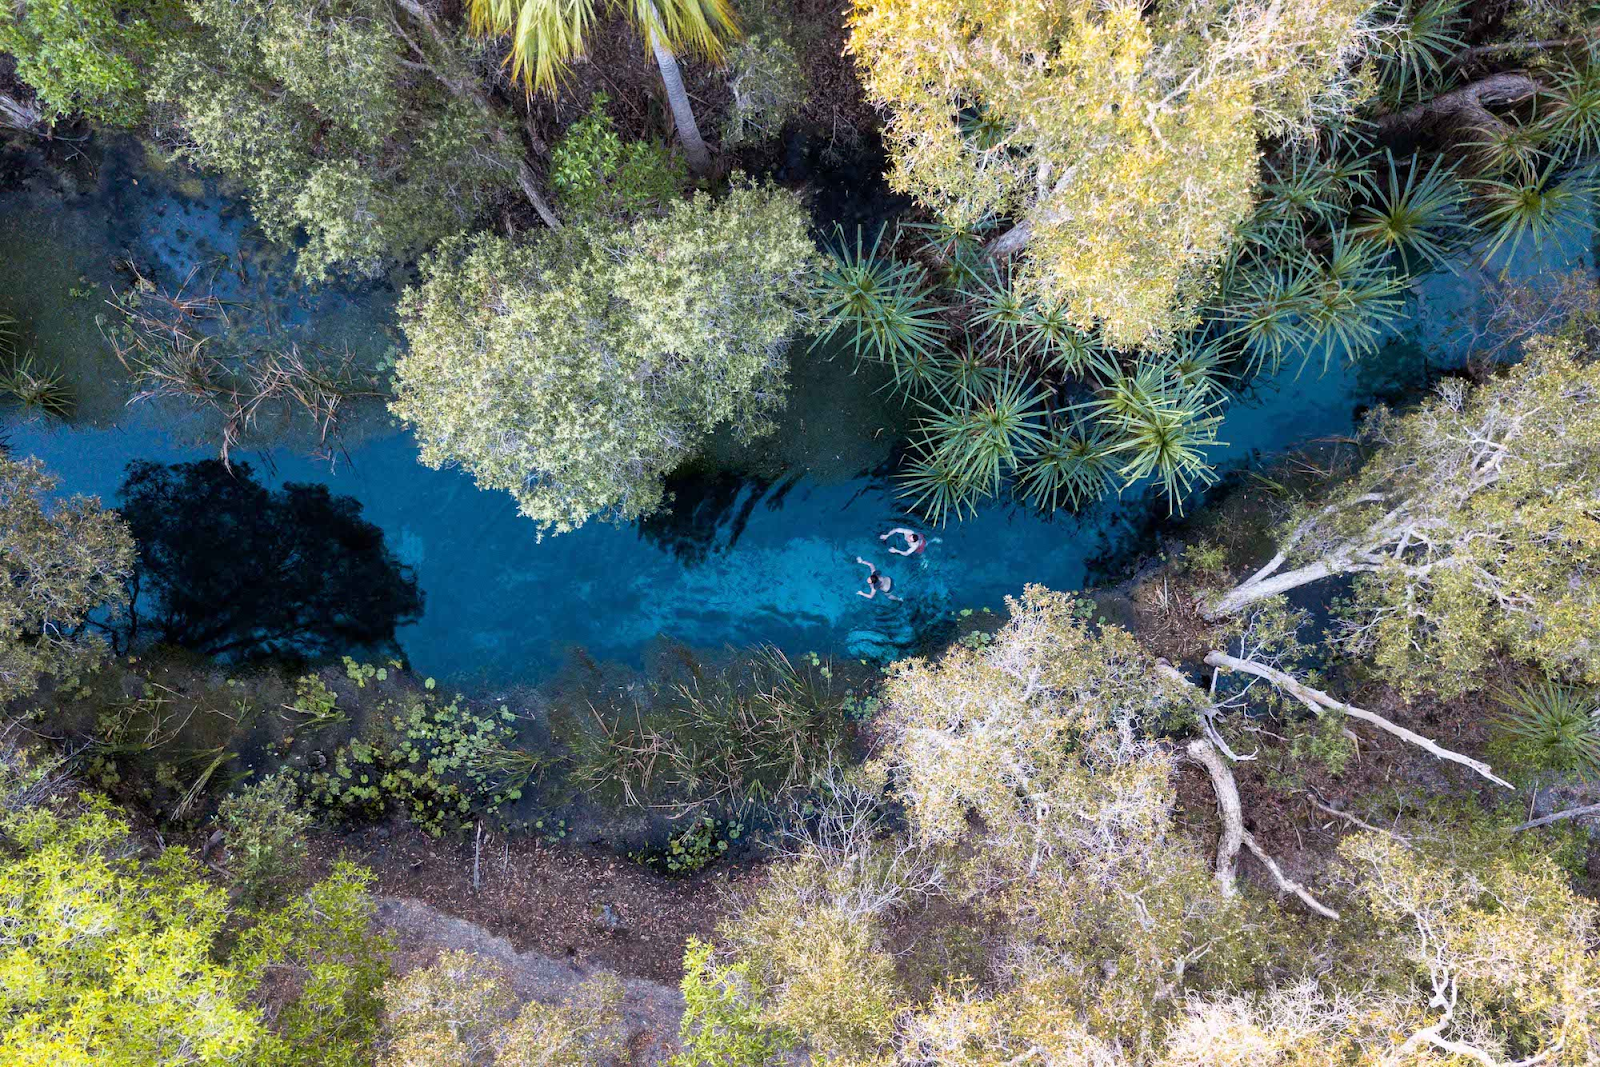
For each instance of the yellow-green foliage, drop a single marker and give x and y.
(324, 941)
(1124, 134)
(461, 1012)
(107, 959)
(574, 371)
(59, 561)
(722, 1024)
(1475, 523)
(112, 958)
(818, 957)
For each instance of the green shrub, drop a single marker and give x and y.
(263, 825)
(721, 1023)
(594, 172)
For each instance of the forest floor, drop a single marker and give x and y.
(572, 902)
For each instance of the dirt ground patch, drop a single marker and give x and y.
(569, 903)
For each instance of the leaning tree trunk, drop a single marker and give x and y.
(694, 146)
(471, 91)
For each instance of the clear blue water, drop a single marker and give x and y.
(759, 549)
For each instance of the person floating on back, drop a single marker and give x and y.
(877, 582)
(915, 542)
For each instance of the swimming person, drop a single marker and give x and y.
(877, 582)
(915, 542)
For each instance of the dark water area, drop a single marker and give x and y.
(761, 540)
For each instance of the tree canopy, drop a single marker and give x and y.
(62, 560)
(114, 959)
(1123, 139)
(341, 137)
(576, 370)
(1471, 528)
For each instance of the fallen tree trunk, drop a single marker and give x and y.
(1234, 834)
(1318, 702)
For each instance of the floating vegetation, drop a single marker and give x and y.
(39, 390)
(188, 347)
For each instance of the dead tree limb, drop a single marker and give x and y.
(1570, 813)
(20, 115)
(1234, 834)
(1470, 103)
(1318, 702)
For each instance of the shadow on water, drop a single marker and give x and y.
(232, 569)
(709, 510)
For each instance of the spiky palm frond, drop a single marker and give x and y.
(966, 374)
(1073, 466)
(1413, 49)
(1060, 345)
(879, 303)
(1420, 216)
(548, 35)
(1572, 116)
(918, 371)
(1355, 298)
(1304, 188)
(1538, 206)
(1508, 147)
(999, 309)
(946, 235)
(1161, 428)
(936, 489)
(1263, 310)
(984, 129)
(982, 435)
(1560, 724)
(1196, 363)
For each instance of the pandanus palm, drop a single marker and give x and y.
(546, 35)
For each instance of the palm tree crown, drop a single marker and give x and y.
(549, 34)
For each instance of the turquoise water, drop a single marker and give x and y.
(760, 545)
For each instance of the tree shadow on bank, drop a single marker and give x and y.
(232, 569)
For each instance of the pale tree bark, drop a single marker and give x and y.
(1011, 242)
(1570, 813)
(1353, 554)
(20, 115)
(1318, 702)
(694, 146)
(1234, 834)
